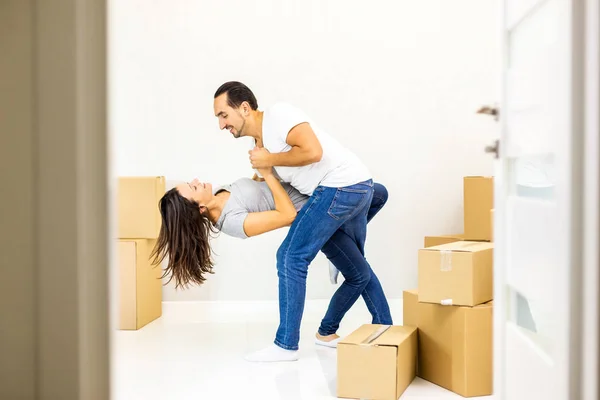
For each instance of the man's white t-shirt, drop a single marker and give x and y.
(338, 167)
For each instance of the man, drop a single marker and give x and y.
(340, 189)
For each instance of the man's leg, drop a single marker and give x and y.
(359, 279)
(376, 302)
(321, 216)
(373, 294)
(359, 273)
(380, 196)
(330, 211)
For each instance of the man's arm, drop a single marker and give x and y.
(306, 148)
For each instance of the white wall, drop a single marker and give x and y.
(398, 82)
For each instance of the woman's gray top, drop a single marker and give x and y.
(249, 196)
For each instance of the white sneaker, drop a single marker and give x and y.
(273, 353)
(332, 343)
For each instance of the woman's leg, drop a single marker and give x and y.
(380, 197)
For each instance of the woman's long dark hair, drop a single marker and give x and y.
(184, 238)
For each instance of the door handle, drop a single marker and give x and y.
(490, 110)
(494, 149)
(494, 112)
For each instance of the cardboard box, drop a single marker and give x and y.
(478, 201)
(492, 225)
(459, 273)
(376, 362)
(455, 344)
(138, 212)
(431, 241)
(140, 285)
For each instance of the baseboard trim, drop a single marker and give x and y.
(257, 311)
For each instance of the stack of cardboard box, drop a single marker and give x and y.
(452, 309)
(140, 288)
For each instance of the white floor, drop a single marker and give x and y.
(195, 351)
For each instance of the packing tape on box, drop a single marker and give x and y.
(365, 389)
(380, 331)
(446, 302)
(446, 260)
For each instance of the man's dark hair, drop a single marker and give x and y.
(237, 93)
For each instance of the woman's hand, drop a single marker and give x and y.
(264, 172)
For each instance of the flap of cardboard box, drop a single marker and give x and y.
(452, 236)
(463, 246)
(431, 241)
(485, 305)
(379, 335)
(410, 298)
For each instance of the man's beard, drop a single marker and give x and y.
(240, 132)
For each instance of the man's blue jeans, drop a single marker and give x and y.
(359, 278)
(326, 211)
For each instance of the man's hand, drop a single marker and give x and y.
(260, 158)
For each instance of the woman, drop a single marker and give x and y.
(192, 211)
